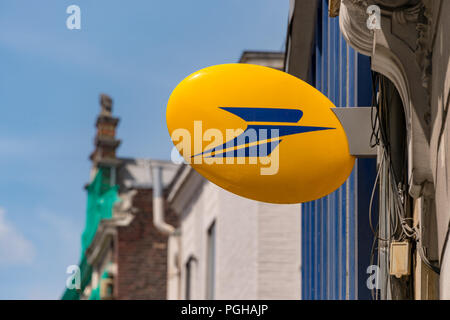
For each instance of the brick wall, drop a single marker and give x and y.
(141, 253)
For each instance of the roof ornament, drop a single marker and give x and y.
(106, 104)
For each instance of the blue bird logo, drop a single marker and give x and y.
(261, 136)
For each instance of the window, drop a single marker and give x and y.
(210, 262)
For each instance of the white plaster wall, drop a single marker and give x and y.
(444, 288)
(192, 241)
(257, 246)
(279, 251)
(237, 247)
(440, 141)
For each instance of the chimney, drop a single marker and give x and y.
(104, 154)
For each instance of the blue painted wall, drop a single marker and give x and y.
(336, 238)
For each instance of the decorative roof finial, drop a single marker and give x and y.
(106, 104)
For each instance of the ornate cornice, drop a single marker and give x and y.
(401, 51)
(353, 18)
(124, 208)
(123, 215)
(424, 42)
(352, 22)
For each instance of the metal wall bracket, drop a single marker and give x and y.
(358, 127)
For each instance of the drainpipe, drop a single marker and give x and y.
(158, 217)
(158, 202)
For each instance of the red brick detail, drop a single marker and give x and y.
(106, 130)
(141, 253)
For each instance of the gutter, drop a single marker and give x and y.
(163, 226)
(158, 202)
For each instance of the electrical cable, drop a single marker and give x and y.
(396, 198)
(425, 260)
(375, 231)
(372, 254)
(399, 199)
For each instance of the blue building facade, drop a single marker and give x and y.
(336, 237)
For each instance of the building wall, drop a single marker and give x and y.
(440, 160)
(278, 251)
(336, 239)
(237, 246)
(141, 253)
(414, 55)
(257, 246)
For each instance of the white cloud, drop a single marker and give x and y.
(14, 247)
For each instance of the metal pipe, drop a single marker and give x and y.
(158, 202)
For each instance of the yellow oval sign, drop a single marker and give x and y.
(259, 133)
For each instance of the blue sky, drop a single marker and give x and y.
(136, 51)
